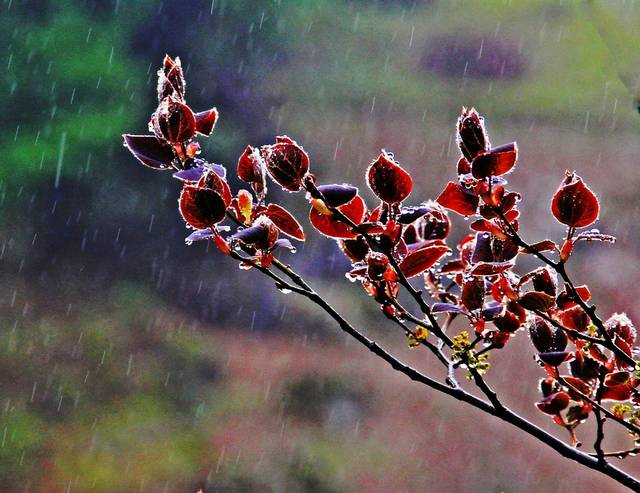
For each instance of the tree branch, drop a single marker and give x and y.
(503, 412)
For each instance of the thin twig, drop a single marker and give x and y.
(620, 454)
(597, 445)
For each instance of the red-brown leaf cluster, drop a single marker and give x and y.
(389, 243)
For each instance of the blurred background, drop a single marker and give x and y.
(131, 362)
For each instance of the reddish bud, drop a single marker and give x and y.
(499, 338)
(171, 79)
(244, 204)
(251, 169)
(574, 204)
(547, 386)
(388, 180)
(472, 137)
(286, 162)
(377, 266)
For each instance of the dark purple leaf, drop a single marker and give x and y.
(149, 151)
(446, 308)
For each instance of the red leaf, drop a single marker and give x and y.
(149, 151)
(211, 179)
(536, 301)
(173, 121)
(565, 301)
(491, 268)
(286, 163)
(458, 199)
(420, 260)
(453, 266)
(488, 226)
(508, 322)
(541, 246)
(201, 207)
(388, 180)
(579, 385)
(495, 162)
(206, 120)
(541, 334)
(575, 318)
(618, 393)
(574, 204)
(284, 221)
(472, 295)
(328, 226)
(616, 378)
(355, 249)
(554, 403)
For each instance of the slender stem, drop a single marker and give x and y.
(597, 446)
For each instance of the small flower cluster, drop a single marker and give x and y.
(586, 361)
